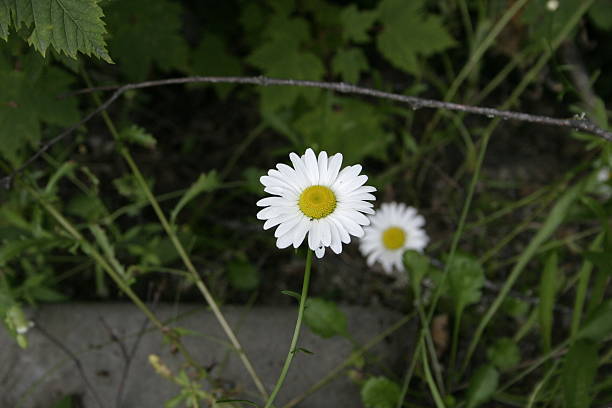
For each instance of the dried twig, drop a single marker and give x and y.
(578, 123)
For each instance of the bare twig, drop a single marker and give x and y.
(579, 123)
(74, 358)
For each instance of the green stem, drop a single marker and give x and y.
(178, 246)
(430, 381)
(583, 284)
(455, 341)
(296, 332)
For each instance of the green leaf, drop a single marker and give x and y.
(355, 128)
(146, 33)
(242, 274)
(601, 14)
(355, 23)
(107, 248)
(5, 18)
(324, 318)
(544, 24)
(482, 385)
(578, 374)
(138, 135)
(349, 63)
(380, 392)
(282, 57)
(548, 287)
(417, 266)
(46, 294)
(291, 293)
(600, 259)
(465, 280)
(303, 350)
(71, 26)
(598, 324)
(211, 58)
(204, 183)
(504, 353)
(243, 401)
(28, 100)
(405, 28)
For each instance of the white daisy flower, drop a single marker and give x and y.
(315, 197)
(395, 228)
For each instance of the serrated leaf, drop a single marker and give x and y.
(482, 385)
(598, 324)
(405, 26)
(356, 23)
(138, 135)
(350, 126)
(417, 266)
(548, 287)
(205, 183)
(211, 58)
(349, 63)
(578, 374)
(5, 18)
(504, 353)
(281, 57)
(465, 280)
(28, 100)
(324, 318)
(146, 33)
(71, 26)
(380, 392)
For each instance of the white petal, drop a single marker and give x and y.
(287, 226)
(312, 168)
(319, 252)
(299, 233)
(335, 162)
(325, 232)
(322, 165)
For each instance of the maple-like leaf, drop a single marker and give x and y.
(146, 32)
(70, 26)
(349, 62)
(356, 23)
(29, 99)
(409, 32)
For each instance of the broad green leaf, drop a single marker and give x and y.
(601, 259)
(598, 324)
(146, 33)
(601, 14)
(349, 63)
(356, 23)
(89, 207)
(5, 18)
(211, 58)
(204, 183)
(465, 280)
(578, 374)
(380, 392)
(417, 266)
(324, 318)
(482, 385)
(409, 32)
(504, 353)
(281, 56)
(138, 135)
(548, 287)
(355, 128)
(242, 274)
(71, 26)
(28, 100)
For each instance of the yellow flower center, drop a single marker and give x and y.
(394, 238)
(317, 202)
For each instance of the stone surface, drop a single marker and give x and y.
(44, 373)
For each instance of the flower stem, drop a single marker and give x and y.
(296, 332)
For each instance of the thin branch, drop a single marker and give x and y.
(578, 123)
(74, 358)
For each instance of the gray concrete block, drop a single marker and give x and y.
(40, 375)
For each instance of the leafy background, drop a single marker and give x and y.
(202, 149)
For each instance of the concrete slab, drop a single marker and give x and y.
(42, 374)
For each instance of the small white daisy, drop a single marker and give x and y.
(395, 228)
(315, 197)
